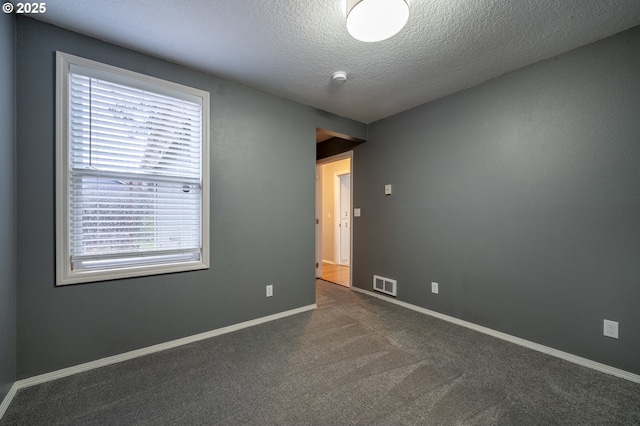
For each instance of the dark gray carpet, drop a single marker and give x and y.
(354, 360)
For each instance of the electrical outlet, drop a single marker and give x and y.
(269, 290)
(611, 329)
(434, 288)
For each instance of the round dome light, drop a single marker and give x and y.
(376, 20)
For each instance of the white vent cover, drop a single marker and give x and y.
(385, 285)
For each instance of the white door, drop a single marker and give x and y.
(345, 220)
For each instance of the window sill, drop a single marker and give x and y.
(70, 277)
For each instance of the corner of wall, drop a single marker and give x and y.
(8, 245)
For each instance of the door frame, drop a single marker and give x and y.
(333, 158)
(318, 221)
(337, 200)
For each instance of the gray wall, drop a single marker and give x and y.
(262, 217)
(7, 206)
(521, 197)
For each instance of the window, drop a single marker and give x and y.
(132, 159)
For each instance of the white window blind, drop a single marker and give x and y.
(135, 181)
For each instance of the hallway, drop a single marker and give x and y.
(337, 274)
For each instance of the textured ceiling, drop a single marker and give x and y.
(291, 47)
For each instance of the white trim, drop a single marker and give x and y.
(318, 221)
(337, 199)
(7, 399)
(627, 375)
(47, 377)
(127, 77)
(329, 262)
(351, 222)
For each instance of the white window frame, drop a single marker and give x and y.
(65, 273)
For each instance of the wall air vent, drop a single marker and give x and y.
(385, 285)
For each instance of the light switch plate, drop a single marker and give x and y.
(387, 189)
(356, 212)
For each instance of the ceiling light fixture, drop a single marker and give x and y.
(376, 20)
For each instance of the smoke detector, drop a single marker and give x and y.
(339, 77)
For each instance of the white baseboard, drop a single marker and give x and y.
(7, 399)
(328, 261)
(42, 378)
(513, 339)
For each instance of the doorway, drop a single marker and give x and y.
(334, 198)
